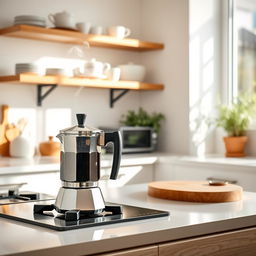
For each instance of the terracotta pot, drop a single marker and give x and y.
(235, 146)
(49, 148)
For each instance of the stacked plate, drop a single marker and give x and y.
(30, 20)
(55, 71)
(26, 68)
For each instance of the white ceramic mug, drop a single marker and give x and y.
(132, 72)
(119, 31)
(84, 27)
(96, 69)
(96, 30)
(114, 74)
(62, 20)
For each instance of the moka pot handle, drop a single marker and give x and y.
(115, 138)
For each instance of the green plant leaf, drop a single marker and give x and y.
(143, 118)
(235, 119)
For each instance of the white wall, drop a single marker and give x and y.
(161, 21)
(91, 101)
(167, 21)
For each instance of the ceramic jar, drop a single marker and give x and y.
(49, 148)
(22, 147)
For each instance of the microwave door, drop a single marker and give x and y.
(137, 140)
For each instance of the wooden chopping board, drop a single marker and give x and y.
(4, 143)
(195, 191)
(8, 132)
(11, 132)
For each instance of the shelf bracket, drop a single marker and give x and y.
(114, 99)
(42, 95)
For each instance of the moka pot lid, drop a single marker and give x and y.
(80, 129)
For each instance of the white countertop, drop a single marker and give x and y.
(185, 220)
(48, 164)
(209, 160)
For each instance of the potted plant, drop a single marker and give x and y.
(235, 120)
(143, 118)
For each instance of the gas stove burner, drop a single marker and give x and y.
(10, 194)
(44, 214)
(25, 196)
(22, 197)
(71, 215)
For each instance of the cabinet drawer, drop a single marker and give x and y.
(226, 244)
(144, 251)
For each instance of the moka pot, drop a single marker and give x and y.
(80, 166)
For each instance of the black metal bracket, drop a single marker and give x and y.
(42, 95)
(114, 99)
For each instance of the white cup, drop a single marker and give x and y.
(84, 27)
(96, 69)
(62, 20)
(114, 74)
(119, 31)
(96, 30)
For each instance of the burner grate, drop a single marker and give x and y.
(73, 215)
(45, 215)
(20, 196)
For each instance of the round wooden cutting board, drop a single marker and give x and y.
(195, 191)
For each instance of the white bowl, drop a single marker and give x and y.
(132, 72)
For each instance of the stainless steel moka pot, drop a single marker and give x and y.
(80, 166)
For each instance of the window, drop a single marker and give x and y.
(243, 46)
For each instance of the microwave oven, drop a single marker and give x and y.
(137, 139)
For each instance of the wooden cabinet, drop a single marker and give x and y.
(143, 251)
(227, 244)
(235, 243)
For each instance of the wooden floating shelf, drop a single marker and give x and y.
(76, 81)
(74, 37)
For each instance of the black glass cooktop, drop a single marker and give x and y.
(24, 212)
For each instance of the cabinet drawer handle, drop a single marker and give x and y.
(216, 181)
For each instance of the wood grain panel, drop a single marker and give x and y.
(237, 243)
(195, 191)
(73, 37)
(143, 251)
(74, 81)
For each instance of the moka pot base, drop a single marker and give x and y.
(85, 199)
